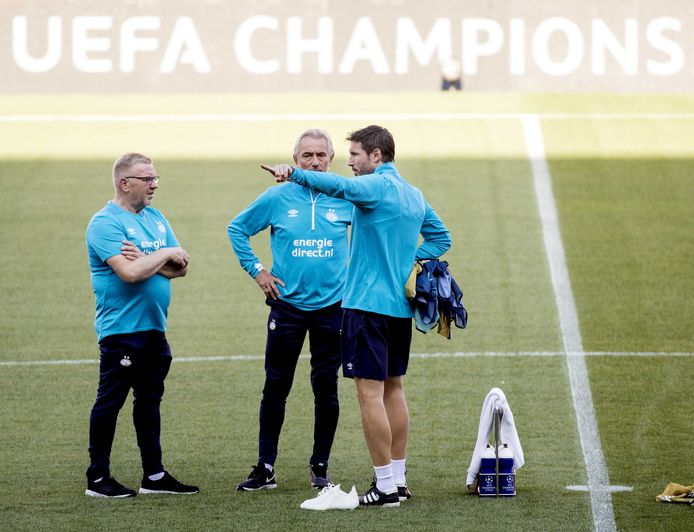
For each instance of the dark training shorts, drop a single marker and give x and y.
(374, 346)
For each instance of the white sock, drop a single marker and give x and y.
(268, 467)
(156, 476)
(399, 472)
(384, 478)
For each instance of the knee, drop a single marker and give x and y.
(151, 396)
(324, 385)
(105, 409)
(369, 395)
(109, 401)
(277, 390)
(393, 387)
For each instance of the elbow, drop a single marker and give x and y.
(129, 275)
(444, 244)
(233, 229)
(128, 278)
(237, 226)
(235, 233)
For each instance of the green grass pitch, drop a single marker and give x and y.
(624, 189)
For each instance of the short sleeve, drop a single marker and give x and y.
(105, 237)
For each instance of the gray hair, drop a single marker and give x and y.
(316, 134)
(126, 162)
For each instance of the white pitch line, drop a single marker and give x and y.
(458, 354)
(596, 469)
(611, 489)
(335, 117)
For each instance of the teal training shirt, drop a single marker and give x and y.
(389, 216)
(308, 240)
(123, 308)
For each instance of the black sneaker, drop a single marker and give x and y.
(375, 497)
(108, 487)
(261, 478)
(318, 475)
(403, 493)
(166, 484)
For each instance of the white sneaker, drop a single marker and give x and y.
(333, 498)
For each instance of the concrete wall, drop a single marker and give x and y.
(355, 45)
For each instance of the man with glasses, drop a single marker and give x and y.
(133, 255)
(303, 289)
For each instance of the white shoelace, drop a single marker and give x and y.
(327, 489)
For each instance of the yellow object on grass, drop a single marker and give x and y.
(677, 493)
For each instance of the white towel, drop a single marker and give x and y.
(507, 430)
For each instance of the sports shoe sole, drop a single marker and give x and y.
(146, 491)
(390, 504)
(91, 493)
(384, 505)
(265, 487)
(348, 509)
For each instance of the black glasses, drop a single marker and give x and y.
(148, 179)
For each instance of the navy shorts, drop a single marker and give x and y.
(374, 346)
